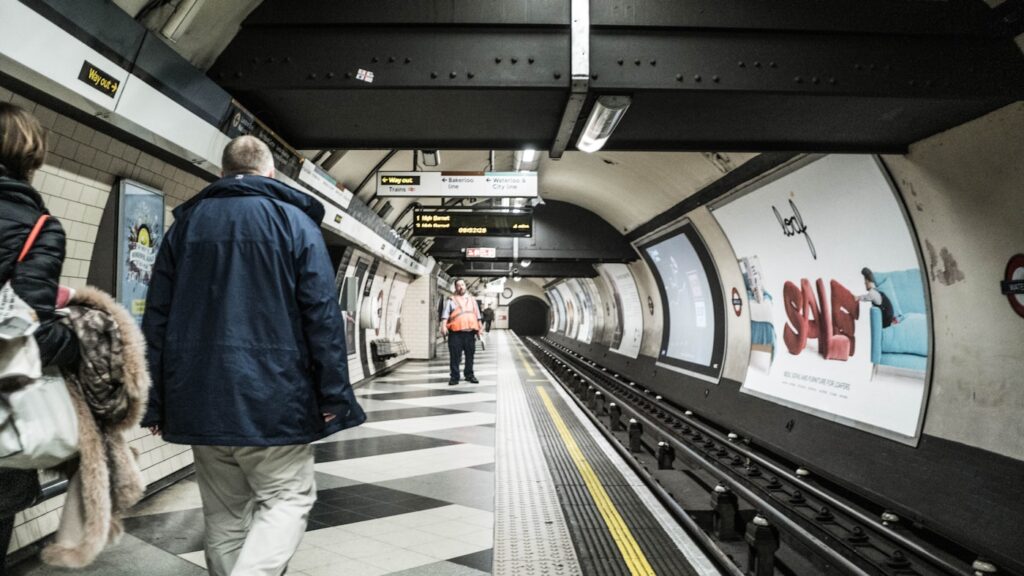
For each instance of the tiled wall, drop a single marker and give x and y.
(417, 326)
(76, 182)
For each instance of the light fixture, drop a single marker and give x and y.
(431, 158)
(526, 160)
(525, 263)
(516, 278)
(605, 116)
(180, 19)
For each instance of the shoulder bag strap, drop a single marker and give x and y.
(32, 236)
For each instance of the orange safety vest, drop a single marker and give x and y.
(463, 320)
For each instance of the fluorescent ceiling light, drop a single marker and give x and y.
(180, 19)
(526, 160)
(431, 158)
(605, 116)
(525, 263)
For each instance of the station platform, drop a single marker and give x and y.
(502, 477)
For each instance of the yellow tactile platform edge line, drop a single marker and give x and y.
(631, 552)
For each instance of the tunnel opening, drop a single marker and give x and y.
(528, 316)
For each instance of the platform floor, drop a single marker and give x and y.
(503, 477)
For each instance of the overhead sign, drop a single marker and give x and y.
(317, 178)
(98, 79)
(468, 222)
(481, 252)
(241, 122)
(457, 184)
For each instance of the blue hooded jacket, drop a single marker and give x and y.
(246, 342)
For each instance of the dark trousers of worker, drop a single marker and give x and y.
(459, 342)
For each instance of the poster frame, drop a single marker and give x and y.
(618, 302)
(712, 372)
(122, 240)
(786, 169)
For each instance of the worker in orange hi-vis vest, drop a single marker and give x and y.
(460, 322)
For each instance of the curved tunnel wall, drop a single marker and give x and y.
(959, 191)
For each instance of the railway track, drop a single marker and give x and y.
(754, 512)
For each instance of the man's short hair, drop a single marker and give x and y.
(247, 155)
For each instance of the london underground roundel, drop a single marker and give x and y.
(1013, 285)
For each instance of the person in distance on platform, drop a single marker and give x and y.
(247, 354)
(460, 321)
(488, 318)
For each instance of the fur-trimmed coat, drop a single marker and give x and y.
(109, 480)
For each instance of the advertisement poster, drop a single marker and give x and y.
(350, 315)
(140, 232)
(612, 311)
(838, 304)
(693, 337)
(572, 309)
(596, 309)
(394, 308)
(629, 312)
(585, 330)
(558, 311)
(378, 306)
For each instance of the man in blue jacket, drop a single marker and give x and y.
(246, 349)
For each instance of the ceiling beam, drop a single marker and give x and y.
(806, 76)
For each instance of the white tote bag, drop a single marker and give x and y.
(38, 424)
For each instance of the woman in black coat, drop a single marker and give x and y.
(35, 279)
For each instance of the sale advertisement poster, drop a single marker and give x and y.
(838, 304)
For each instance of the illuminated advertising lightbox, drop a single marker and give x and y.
(693, 336)
(139, 235)
(627, 312)
(558, 317)
(572, 309)
(838, 305)
(585, 329)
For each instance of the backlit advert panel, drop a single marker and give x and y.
(837, 300)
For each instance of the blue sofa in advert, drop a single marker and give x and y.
(904, 344)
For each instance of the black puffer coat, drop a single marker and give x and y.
(36, 278)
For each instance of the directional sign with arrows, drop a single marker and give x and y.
(457, 184)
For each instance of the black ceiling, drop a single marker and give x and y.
(868, 75)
